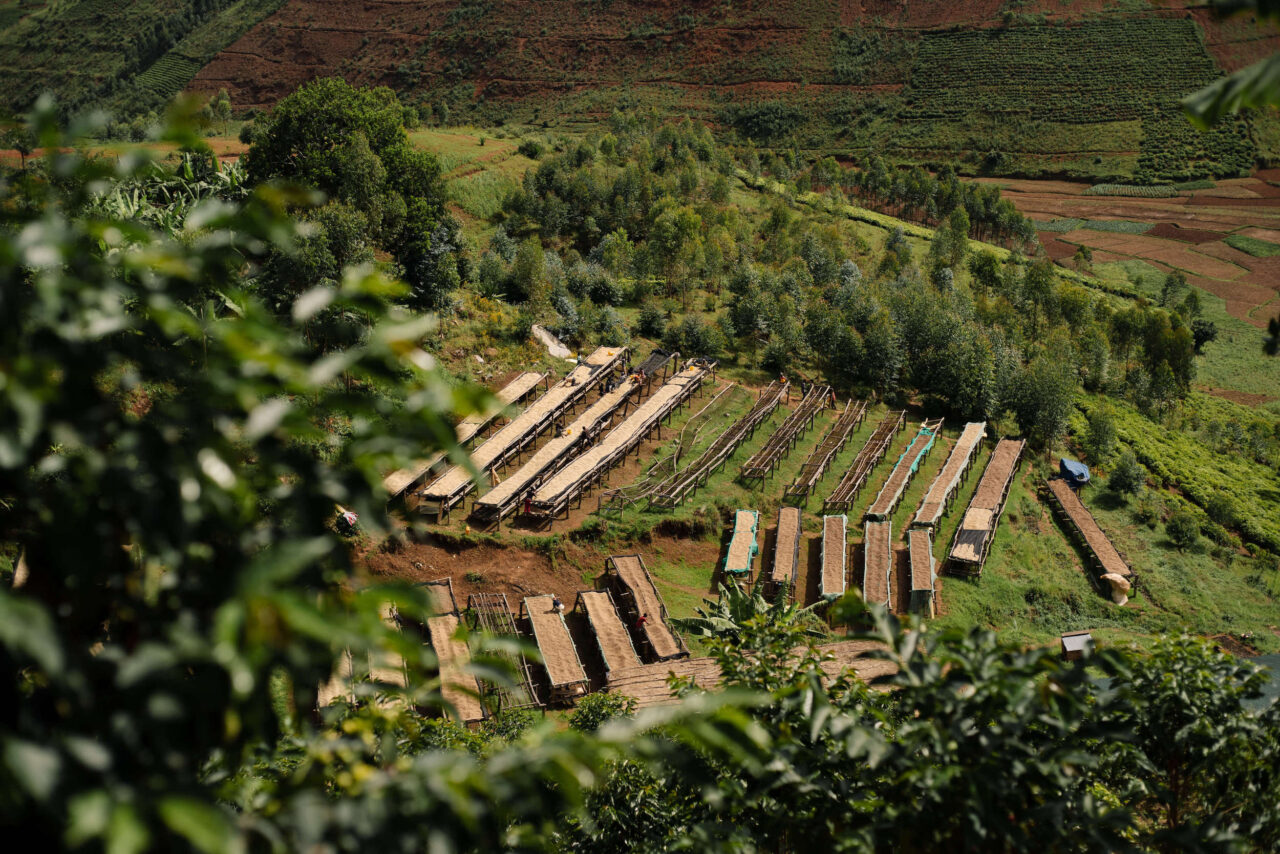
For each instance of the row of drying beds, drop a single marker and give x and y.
(626, 618)
(878, 556)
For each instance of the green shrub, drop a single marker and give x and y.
(531, 149)
(509, 724)
(1222, 509)
(1149, 510)
(653, 320)
(595, 710)
(1183, 529)
(1128, 477)
(1100, 438)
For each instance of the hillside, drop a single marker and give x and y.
(1007, 88)
(128, 58)
(1028, 88)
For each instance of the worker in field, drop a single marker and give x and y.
(528, 504)
(644, 618)
(557, 605)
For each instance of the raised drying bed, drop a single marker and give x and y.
(938, 498)
(851, 483)
(553, 498)
(877, 562)
(765, 460)
(398, 482)
(742, 543)
(675, 489)
(612, 637)
(458, 687)
(972, 542)
(835, 538)
(1106, 560)
(636, 594)
(493, 616)
(786, 550)
(387, 667)
(565, 674)
(923, 571)
(453, 486)
(504, 498)
(815, 466)
(891, 493)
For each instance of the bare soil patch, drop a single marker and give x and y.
(1174, 231)
(1270, 234)
(1234, 645)
(515, 571)
(1241, 397)
(1056, 249)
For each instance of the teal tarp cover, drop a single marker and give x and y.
(1073, 471)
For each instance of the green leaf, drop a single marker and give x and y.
(126, 834)
(36, 768)
(26, 626)
(87, 817)
(205, 827)
(1255, 86)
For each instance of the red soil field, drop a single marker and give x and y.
(1173, 231)
(1056, 248)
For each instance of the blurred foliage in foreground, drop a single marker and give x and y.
(168, 472)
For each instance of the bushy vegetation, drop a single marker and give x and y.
(1157, 191)
(1253, 246)
(381, 192)
(129, 58)
(644, 208)
(1215, 459)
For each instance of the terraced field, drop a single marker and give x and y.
(1135, 242)
(1034, 96)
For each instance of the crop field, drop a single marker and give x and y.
(80, 49)
(1034, 584)
(167, 76)
(1253, 246)
(1217, 233)
(1158, 191)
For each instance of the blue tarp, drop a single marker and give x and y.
(1073, 472)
